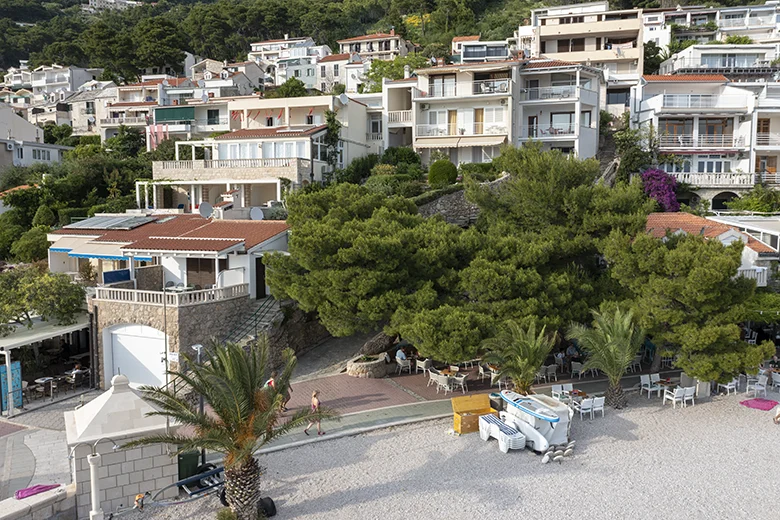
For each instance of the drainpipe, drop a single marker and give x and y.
(10, 394)
(95, 513)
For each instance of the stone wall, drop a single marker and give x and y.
(185, 326)
(375, 369)
(299, 331)
(59, 503)
(123, 474)
(455, 208)
(149, 278)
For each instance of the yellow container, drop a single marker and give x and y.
(466, 411)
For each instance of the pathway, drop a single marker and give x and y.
(329, 357)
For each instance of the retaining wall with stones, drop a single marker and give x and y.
(367, 369)
(149, 278)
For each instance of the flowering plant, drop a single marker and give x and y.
(660, 186)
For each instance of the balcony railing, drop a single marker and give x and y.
(172, 299)
(213, 121)
(458, 129)
(705, 64)
(701, 141)
(716, 180)
(123, 121)
(293, 168)
(490, 86)
(399, 116)
(767, 139)
(557, 92)
(436, 91)
(759, 274)
(703, 101)
(548, 131)
(373, 136)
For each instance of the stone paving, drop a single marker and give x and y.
(54, 468)
(51, 416)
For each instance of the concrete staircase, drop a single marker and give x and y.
(259, 316)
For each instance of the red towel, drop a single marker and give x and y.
(34, 490)
(759, 404)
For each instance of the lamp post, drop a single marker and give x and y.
(95, 513)
(198, 348)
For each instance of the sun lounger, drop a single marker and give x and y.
(508, 437)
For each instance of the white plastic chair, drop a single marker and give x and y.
(775, 380)
(598, 405)
(568, 388)
(557, 392)
(495, 379)
(576, 369)
(636, 364)
(443, 383)
(404, 364)
(483, 372)
(584, 406)
(454, 368)
(552, 372)
(732, 385)
(432, 372)
(424, 366)
(460, 382)
(675, 396)
(541, 374)
(758, 386)
(646, 384)
(654, 378)
(688, 394)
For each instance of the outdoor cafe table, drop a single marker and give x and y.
(79, 357)
(43, 381)
(448, 372)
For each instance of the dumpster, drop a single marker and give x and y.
(188, 464)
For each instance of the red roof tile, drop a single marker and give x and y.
(280, 40)
(181, 244)
(173, 82)
(375, 36)
(659, 223)
(252, 232)
(712, 78)
(133, 104)
(335, 57)
(466, 38)
(282, 131)
(545, 64)
(22, 187)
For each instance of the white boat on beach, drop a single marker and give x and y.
(542, 419)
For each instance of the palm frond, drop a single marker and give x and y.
(519, 353)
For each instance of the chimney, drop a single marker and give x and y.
(286, 36)
(392, 30)
(407, 71)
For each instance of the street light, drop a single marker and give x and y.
(198, 348)
(96, 513)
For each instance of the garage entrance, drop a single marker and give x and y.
(138, 352)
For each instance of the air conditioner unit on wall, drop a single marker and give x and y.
(9, 147)
(503, 101)
(424, 106)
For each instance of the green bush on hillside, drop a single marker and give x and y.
(442, 173)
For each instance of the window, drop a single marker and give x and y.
(585, 118)
(375, 126)
(297, 73)
(20, 153)
(543, 47)
(309, 73)
(618, 97)
(562, 122)
(36, 154)
(269, 121)
(322, 70)
(323, 87)
(681, 166)
(212, 117)
(575, 45)
(714, 164)
(90, 107)
(335, 70)
(309, 119)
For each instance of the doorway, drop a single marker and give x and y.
(533, 125)
(259, 278)
(479, 120)
(452, 122)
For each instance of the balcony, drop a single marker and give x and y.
(598, 55)
(215, 124)
(399, 117)
(759, 274)
(716, 65)
(490, 86)
(608, 28)
(719, 141)
(549, 93)
(436, 91)
(458, 129)
(543, 132)
(171, 299)
(704, 101)
(716, 180)
(127, 121)
(373, 136)
(294, 169)
(751, 21)
(767, 139)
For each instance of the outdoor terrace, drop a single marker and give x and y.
(239, 169)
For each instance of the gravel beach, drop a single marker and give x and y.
(714, 460)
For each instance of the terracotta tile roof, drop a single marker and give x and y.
(281, 131)
(375, 36)
(15, 188)
(466, 38)
(163, 225)
(181, 244)
(659, 223)
(223, 203)
(335, 57)
(715, 78)
(252, 232)
(133, 104)
(544, 64)
(458, 66)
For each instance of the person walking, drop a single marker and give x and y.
(315, 407)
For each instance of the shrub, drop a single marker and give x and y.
(400, 154)
(358, 170)
(383, 169)
(89, 139)
(66, 214)
(410, 189)
(480, 172)
(442, 173)
(43, 217)
(276, 213)
(388, 185)
(411, 169)
(226, 514)
(660, 186)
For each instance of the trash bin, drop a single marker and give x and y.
(496, 402)
(188, 464)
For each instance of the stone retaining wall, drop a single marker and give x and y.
(299, 331)
(367, 369)
(149, 278)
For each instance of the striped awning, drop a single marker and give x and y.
(437, 142)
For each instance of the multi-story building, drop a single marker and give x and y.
(592, 35)
(341, 69)
(268, 53)
(106, 5)
(58, 80)
(89, 105)
(18, 77)
(739, 63)
(380, 46)
(479, 51)
(303, 68)
(190, 118)
(273, 143)
(21, 142)
(458, 41)
(20, 100)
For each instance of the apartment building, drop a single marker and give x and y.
(592, 35)
(341, 69)
(268, 53)
(48, 80)
(18, 77)
(190, 118)
(89, 105)
(20, 100)
(107, 5)
(478, 51)
(458, 41)
(739, 63)
(273, 144)
(239, 78)
(21, 142)
(379, 46)
(707, 24)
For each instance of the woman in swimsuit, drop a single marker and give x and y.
(315, 407)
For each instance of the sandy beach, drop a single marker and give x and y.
(714, 460)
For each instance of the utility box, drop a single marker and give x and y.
(466, 411)
(188, 464)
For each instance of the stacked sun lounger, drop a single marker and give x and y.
(508, 437)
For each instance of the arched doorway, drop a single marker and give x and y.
(135, 351)
(719, 201)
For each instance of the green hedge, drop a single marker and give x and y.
(480, 172)
(430, 196)
(389, 185)
(66, 214)
(442, 173)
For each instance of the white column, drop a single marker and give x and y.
(192, 198)
(146, 195)
(287, 115)
(10, 395)
(131, 265)
(278, 189)
(96, 513)
(154, 196)
(137, 195)
(193, 152)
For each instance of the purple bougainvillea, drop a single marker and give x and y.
(660, 187)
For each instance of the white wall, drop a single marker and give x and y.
(174, 269)
(14, 127)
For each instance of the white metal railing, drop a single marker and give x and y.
(759, 274)
(282, 162)
(212, 122)
(556, 92)
(703, 101)
(700, 141)
(459, 129)
(767, 139)
(373, 136)
(548, 131)
(716, 180)
(757, 20)
(172, 299)
(769, 177)
(490, 86)
(706, 63)
(122, 120)
(399, 116)
(438, 90)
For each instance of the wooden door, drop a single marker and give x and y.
(762, 132)
(452, 122)
(479, 120)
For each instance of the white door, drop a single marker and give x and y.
(138, 352)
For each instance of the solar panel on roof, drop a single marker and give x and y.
(123, 222)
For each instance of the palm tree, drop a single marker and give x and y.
(244, 415)
(519, 353)
(611, 345)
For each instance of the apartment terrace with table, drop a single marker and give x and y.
(275, 144)
(168, 282)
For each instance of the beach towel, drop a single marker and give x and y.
(34, 490)
(759, 404)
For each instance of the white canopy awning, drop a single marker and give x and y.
(67, 244)
(99, 250)
(41, 331)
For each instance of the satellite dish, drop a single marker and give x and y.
(256, 214)
(204, 98)
(165, 83)
(344, 99)
(205, 209)
(91, 119)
